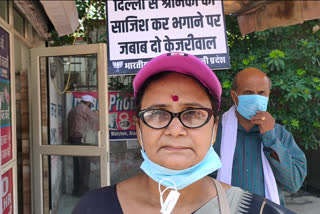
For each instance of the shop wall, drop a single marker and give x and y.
(125, 160)
(20, 63)
(22, 69)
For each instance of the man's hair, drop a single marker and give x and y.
(234, 85)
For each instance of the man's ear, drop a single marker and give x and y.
(234, 97)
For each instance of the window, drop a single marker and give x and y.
(4, 10)
(29, 30)
(18, 22)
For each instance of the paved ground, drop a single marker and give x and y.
(303, 202)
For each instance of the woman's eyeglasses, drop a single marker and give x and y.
(190, 118)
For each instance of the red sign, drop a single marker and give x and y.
(7, 192)
(6, 145)
(121, 113)
(79, 94)
(121, 116)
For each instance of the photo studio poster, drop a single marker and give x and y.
(139, 30)
(121, 113)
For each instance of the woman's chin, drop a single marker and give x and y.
(177, 164)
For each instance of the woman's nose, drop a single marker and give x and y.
(175, 128)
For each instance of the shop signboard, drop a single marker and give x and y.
(5, 98)
(7, 192)
(6, 144)
(4, 55)
(121, 116)
(138, 30)
(121, 113)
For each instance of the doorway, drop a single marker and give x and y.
(64, 78)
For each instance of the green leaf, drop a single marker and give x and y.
(246, 61)
(301, 72)
(316, 124)
(275, 54)
(295, 123)
(264, 65)
(226, 84)
(316, 80)
(282, 65)
(251, 58)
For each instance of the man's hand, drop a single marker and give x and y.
(264, 121)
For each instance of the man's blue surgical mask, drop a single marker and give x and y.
(249, 104)
(182, 178)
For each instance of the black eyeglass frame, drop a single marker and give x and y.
(178, 115)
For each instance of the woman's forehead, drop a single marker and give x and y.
(171, 80)
(175, 88)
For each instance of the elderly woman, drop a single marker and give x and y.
(177, 99)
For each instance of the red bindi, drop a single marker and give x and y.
(174, 98)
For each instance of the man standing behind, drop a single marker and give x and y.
(257, 154)
(81, 119)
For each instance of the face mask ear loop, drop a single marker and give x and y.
(141, 139)
(162, 192)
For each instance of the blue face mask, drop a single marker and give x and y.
(182, 178)
(249, 104)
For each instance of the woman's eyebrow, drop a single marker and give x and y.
(158, 106)
(182, 104)
(193, 104)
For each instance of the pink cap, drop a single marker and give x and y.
(181, 63)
